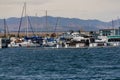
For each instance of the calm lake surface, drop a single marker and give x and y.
(60, 64)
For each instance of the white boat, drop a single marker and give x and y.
(49, 42)
(17, 42)
(29, 43)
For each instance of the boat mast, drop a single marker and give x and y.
(118, 26)
(46, 22)
(26, 19)
(5, 29)
(56, 25)
(30, 25)
(21, 21)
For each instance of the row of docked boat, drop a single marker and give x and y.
(65, 40)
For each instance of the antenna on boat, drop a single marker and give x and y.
(113, 26)
(118, 26)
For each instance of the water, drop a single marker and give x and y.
(60, 64)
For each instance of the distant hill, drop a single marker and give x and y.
(55, 24)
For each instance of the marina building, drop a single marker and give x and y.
(109, 32)
(112, 35)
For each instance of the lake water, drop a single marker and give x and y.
(60, 64)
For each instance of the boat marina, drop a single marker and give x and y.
(65, 39)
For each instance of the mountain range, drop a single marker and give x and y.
(50, 23)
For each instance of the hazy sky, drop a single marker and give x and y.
(105, 10)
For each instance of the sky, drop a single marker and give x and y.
(105, 10)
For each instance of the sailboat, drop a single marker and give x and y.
(26, 41)
(49, 41)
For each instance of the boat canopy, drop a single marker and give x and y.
(50, 39)
(116, 36)
(33, 38)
